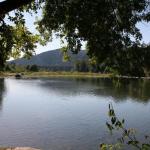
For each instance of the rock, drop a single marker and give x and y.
(18, 76)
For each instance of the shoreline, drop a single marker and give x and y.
(26, 75)
(61, 74)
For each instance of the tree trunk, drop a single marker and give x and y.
(2, 64)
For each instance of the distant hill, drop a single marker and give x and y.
(52, 58)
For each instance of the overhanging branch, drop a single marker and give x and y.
(9, 5)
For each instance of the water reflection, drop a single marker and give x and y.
(121, 89)
(67, 87)
(72, 112)
(118, 89)
(2, 91)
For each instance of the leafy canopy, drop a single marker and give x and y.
(108, 26)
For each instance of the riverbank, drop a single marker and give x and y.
(56, 74)
(44, 74)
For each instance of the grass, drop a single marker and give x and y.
(57, 74)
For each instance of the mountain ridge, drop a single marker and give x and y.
(51, 58)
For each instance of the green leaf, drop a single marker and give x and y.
(103, 146)
(110, 127)
(123, 121)
(145, 146)
(113, 120)
(133, 142)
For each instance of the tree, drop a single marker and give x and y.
(28, 67)
(34, 68)
(82, 66)
(7, 5)
(15, 38)
(106, 25)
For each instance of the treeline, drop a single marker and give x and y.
(34, 68)
(85, 66)
(18, 68)
(56, 68)
(79, 66)
(132, 61)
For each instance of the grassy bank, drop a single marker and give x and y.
(56, 74)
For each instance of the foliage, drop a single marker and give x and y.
(33, 68)
(87, 66)
(8, 68)
(19, 68)
(15, 39)
(14, 68)
(128, 136)
(108, 26)
(81, 66)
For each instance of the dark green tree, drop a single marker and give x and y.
(106, 25)
(82, 66)
(28, 67)
(34, 68)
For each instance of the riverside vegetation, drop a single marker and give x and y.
(128, 136)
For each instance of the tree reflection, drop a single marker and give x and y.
(2, 91)
(117, 88)
(121, 89)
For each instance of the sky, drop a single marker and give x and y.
(145, 30)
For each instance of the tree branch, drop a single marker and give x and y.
(9, 5)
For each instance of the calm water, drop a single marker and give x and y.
(69, 114)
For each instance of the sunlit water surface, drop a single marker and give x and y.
(69, 114)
